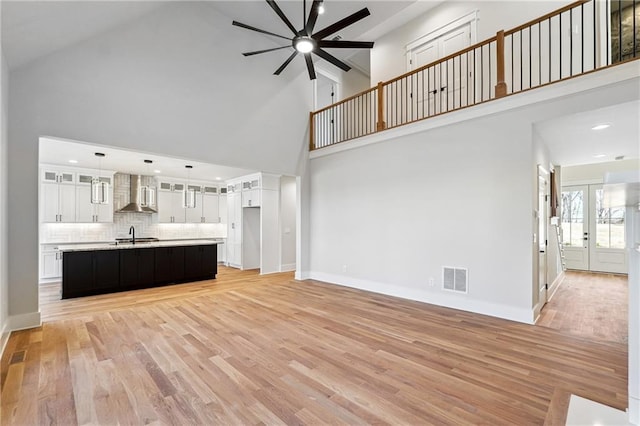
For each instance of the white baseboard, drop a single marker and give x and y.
(4, 338)
(24, 321)
(555, 285)
(302, 275)
(454, 301)
(634, 410)
(287, 267)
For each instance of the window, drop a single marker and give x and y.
(609, 224)
(573, 218)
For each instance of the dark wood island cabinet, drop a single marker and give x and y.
(90, 272)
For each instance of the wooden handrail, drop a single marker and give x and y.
(545, 17)
(350, 98)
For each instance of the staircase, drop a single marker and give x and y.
(555, 221)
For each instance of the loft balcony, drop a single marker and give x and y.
(581, 38)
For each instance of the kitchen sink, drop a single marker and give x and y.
(138, 240)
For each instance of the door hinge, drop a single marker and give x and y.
(546, 198)
(546, 242)
(546, 286)
(410, 61)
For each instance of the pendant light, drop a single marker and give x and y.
(188, 194)
(148, 193)
(99, 187)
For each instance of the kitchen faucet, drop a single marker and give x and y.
(132, 230)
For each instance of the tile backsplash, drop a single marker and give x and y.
(146, 226)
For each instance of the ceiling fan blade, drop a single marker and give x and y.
(310, 67)
(249, 27)
(257, 52)
(282, 16)
(335, 61)
(284, 65)
(313, 17)
(344, 44)
(343, 23)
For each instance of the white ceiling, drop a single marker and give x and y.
(571, 140)
(59, 152)
(32, 29)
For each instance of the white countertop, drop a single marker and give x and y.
(68, 243)
(66, 247)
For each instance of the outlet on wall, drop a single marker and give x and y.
(431, 282)
(344, 268)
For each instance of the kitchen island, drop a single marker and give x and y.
(89, 269)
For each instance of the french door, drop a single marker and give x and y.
(593, 235)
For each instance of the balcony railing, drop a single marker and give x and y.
(579, 38)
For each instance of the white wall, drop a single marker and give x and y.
(594, 173)
(386, 217)
(173, 83)
(4, 202)
(388, 55)
(288, 223)
(354, 82)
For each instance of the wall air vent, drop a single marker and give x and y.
(455, 279)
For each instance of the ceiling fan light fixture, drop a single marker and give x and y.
(304, 44)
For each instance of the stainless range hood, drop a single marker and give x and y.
(141, 198)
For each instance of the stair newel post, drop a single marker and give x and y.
(311, 132)
(501, 86)
(381, 125)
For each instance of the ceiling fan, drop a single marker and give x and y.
(305, 41)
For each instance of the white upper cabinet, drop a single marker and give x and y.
(57, 197)
(97, 212)
(210, 208)
(251, 191)
(170, 202)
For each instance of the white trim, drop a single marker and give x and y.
(553, 288)
(24, 321)
(287, 267)
(447, 300)
(580, 182)
(634, 410)
(469, 18)
(336, 78)
(302, 275)
(5, 333)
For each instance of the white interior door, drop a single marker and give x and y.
(575, 234)
(443, 86)
(456, 68)
(543, 219)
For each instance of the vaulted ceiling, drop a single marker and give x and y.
(32, 29)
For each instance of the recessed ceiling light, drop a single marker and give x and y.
(73, 161)
(600, 126)
(157, 171)
(599, 155)
(218, 178)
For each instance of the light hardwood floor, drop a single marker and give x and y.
(247, 349)
(591, 305)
